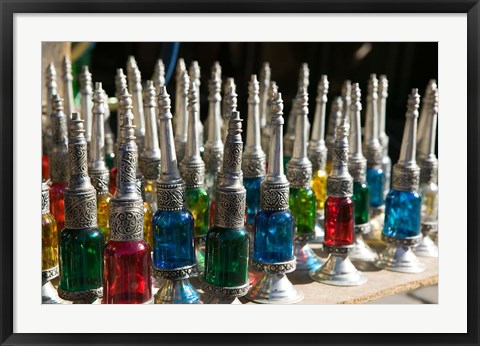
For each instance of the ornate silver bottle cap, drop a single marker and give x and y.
(357, 163)
(86, 91)
(272, 90)
(137, 102)
(170, 186)
(428, 160)
(97, 168)
(426, 107)
(347, 99)
(181, 114)
(120, 83)
(109, 136)
(131, 64)
(339, 181)
(265, 75)
(213, 153)
(45, 197)
(406, 172)
(194, 74)
(299, 168)
(333, 121)
(51, 85)
(382, 112)
(192, 167)
(126, 207)
(230, 103)
(231, 194)
(317, 150)
(149, 161)
(371, 144)
(159, 74)
(80, 195)
(253, 159)
(58, 154)
(67, 86)
(274, 192)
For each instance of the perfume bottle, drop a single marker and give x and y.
(194, 74)
(97, 169)
(264, 94)
(383, 138)
(81, 242)
(253, 159)
(127, 258)
(149, 160)
(273, 253)
(403, 203)
(67, 80)
(192, 170)
(429, 184)
(86, 92)
(373, 152)
(173, 225)
(227, 242)
(58, 156)
(357, 166)
(302, 200)
(213, 154)
(181, 114)
(49, 250)
(333, 121)
(338, 270)
(317, 154)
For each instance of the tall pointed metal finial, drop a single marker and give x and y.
(194, 72)
(67, 79)
(159, 74)
(213, 154)
(357, 162)
(317, 150)
(230, 105)
(265, 76)
(253, 160)
(131, 64)
(336, 109)
(86, 90)
(149, 161)
(299, 168)
(120, 83)
(371, 143)
(382, 112)
(347, 99)
(137, 103)
(405, 171)
(51, 85)
(428, 160)
(59, 141)
(181, 114)
(426, 106)
(192, 167)
(97, 168)
(266, 131)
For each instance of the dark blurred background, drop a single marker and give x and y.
(406, 64)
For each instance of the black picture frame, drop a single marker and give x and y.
(10, 7)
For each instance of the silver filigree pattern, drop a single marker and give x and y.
(80, 209)
(299, 176)
(364, 228)
(149, 167)
(170, 196)
(232, 157)
(274, 196)
(193, 174)
(45, 198)
(225, 292)
(304, 238)
(100, 181)
(213, 158)
(429, 172)
(58, 170)
(230, 209)
(318, 157)
(50, 274)
(405, 178)
(339, 250)
(406, 242)
(175, 274)
(253, 166)
(358, 170)
(81, 296)
(339, 186)
(126, 220)
(274, 268)
(429, 228)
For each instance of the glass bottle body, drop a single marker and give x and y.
(375, 181)
(127, 272)
(81, 259)
(103, 214)
(148, 224)
(274, 236)
(319, 186)
(339, 221)
(252, 185)
(45, 167)
(429, 193)
(226, 257)
(302, 204)
(49, 242)
(151, 194)
(361, 198)
(402, 214)
(57, 203)
(198, 204)
(173, 239)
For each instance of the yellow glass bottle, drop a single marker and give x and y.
(319, 186)
(49, 235)
(103, 208)
(147, 224)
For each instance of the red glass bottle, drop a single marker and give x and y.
(339, 217)
(45, 168)
(129, 266)
(57, 207)
(113, 181)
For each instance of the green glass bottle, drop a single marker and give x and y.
(81, 242)
(302, 204)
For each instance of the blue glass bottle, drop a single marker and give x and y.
(173, 239)
(375, 181)
(274, 235)
(252, 185)
(402, 214)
